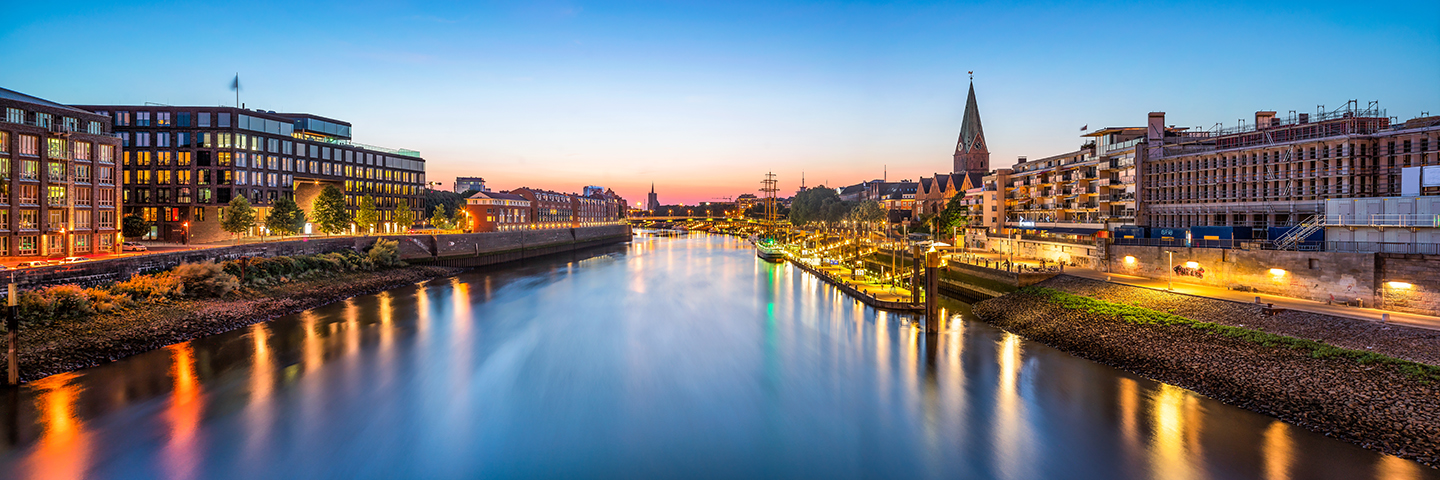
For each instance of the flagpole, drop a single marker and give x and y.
(237, 89)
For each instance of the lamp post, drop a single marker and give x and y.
(186, 226)
(1170, 270)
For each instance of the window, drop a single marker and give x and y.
(224, 159)
(107, 197)
(29, 170)
(82, 242)
(162, 139)
(82, 196)
(142, 139)
(29, 145)
(222, 120)
(204, 196)
(29, 244)
(143, 159)
(4, 142)
(142, 119)
(183, 195)
(80, 150)
(198, 214)
(162, 119)
(205, 119)
(172, 214)
(29, 219)
(82, 173)
(150, 214)
(4, 223)
(142, 177)
(182, 119)
(55, 171)
(182, 159)
(14, 115)
(30, 194)
(241, 160)
(107, 175)
(82, 219)
(182, 177)
(162, 177)
(107, 219)
(107, 153)
(55, 196)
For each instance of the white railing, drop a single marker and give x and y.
(1384, 220)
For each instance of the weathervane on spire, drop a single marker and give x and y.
(972, 74)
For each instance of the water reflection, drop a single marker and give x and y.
(665, 358)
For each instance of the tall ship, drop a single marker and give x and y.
(767, 247)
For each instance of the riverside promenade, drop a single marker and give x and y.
(1206, 291)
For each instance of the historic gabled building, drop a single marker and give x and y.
(972, 154)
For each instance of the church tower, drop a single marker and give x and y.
(651, 203)
(972, 155)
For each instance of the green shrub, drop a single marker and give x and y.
(385, 254)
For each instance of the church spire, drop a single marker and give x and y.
(972, 155)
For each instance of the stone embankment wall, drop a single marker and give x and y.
(495, 247)
(1069, 253)
(1381, 280)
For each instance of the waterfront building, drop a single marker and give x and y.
(897, 198)
(1279, 172)
(746, 200)
(972, 153)
(182, 165)
(496, 212)
(465, 184)
(1075, 195)
(994, 199)
(551, 209)
(1406, 224)
(60, 194)
(935, 192)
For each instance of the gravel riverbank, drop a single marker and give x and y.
(1375, 406)
(75, 344)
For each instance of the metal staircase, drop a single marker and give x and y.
(1299, 233)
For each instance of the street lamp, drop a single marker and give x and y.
(1170, 270)
(186, 225)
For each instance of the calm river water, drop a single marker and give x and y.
(664, 358)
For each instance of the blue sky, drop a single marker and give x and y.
(704, 97)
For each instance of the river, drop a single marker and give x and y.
(662, 358)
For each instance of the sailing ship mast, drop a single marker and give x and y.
(768, 187)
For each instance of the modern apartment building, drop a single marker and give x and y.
(184, 164)
(1279, 171)
(1075, 195)
(59, 194)
(465, 184)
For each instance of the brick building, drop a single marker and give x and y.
(59, 188)
(496, 212)
(184, 164)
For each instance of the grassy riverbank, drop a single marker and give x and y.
(67, 328)
(1232, 352)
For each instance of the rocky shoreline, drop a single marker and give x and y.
(1373, 405)
(75, 344)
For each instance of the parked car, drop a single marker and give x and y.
(69, 260)
(34, 263)
(132, 247)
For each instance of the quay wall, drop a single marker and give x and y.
(1401, 282)
(447, 250)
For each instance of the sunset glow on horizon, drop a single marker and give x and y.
(703, 99)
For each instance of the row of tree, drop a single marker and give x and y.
(330, 216)
(823, 206)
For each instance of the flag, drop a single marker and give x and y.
(1084, 128)
(235, 85)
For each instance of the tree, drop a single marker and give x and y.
(956, 215)
(367, 218)
(404, 216)
(450, 200)
(331, 215)
(438, 219)
(134, 226)
(868, 212)
(285, 218)
(457, 220)
(239, 217)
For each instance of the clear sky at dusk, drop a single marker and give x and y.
(703, 98)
